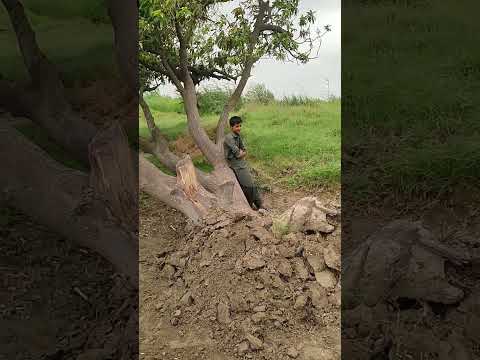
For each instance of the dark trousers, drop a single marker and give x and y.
(248, 187)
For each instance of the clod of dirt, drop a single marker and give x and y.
(243, 348)
(326, 279)
(331, 255)
(427, 315)
(260, 308)
(187, 299)
(255, 343)
(284, 268)
(223, 314)
(301, 270)
(308, 214)
(253, 262)
(318, 295)
(258, 317)
(292, 352)
(406, 252)
(316, 263)
(300, 302)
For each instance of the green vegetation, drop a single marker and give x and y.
(212, 100)
(415, 128)
(39, 136)
(70, 36)
(288, 145)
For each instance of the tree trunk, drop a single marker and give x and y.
(47, 103)
(58, 197)
(230, 191)
(113, 175)
(183, 192)
(208, 148)
(159, 147)
(124, 17)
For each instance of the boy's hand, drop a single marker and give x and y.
(243, 153)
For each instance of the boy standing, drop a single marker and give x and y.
(235, 153)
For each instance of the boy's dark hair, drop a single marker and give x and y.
(234, 120)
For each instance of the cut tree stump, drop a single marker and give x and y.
(113, 174)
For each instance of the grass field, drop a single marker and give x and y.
(81, 48)
(288, 145)
(410, 73)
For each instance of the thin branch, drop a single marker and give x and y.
(273, 28)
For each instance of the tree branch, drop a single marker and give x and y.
(171, 73)
(246, 73)
(32, 56)
(273, 28)
(49, 106)
(159, 147)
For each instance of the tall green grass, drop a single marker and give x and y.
(80, 48)
(288, 145)
(410, 73)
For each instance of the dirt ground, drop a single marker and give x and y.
(420, 325)
(198, 299)
(58, 300)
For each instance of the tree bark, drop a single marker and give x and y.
(160, 149)
(208, 148)
(58, 197)
(184, 194)
(247, 71)
(113, 175)
(124, 17)
(231, 103)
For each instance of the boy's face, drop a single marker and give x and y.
(237, 128)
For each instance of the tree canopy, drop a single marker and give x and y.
(221, 39)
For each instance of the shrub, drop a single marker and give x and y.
(260, 94)
(211, 100)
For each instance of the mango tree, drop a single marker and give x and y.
(185, 43)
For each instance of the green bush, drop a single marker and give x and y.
(212, 100)
(259, 94)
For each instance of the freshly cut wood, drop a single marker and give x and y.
(113, 174)
(185, 195)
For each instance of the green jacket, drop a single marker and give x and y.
(232, 145)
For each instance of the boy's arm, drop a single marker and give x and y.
(232, 146)
(242, 145)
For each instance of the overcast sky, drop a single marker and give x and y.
(310, 79)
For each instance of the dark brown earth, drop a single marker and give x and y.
(58, 300)
(230, 290)
(414, 327)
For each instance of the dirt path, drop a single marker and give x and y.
(169, 329)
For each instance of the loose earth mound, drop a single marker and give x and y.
(230, 289)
